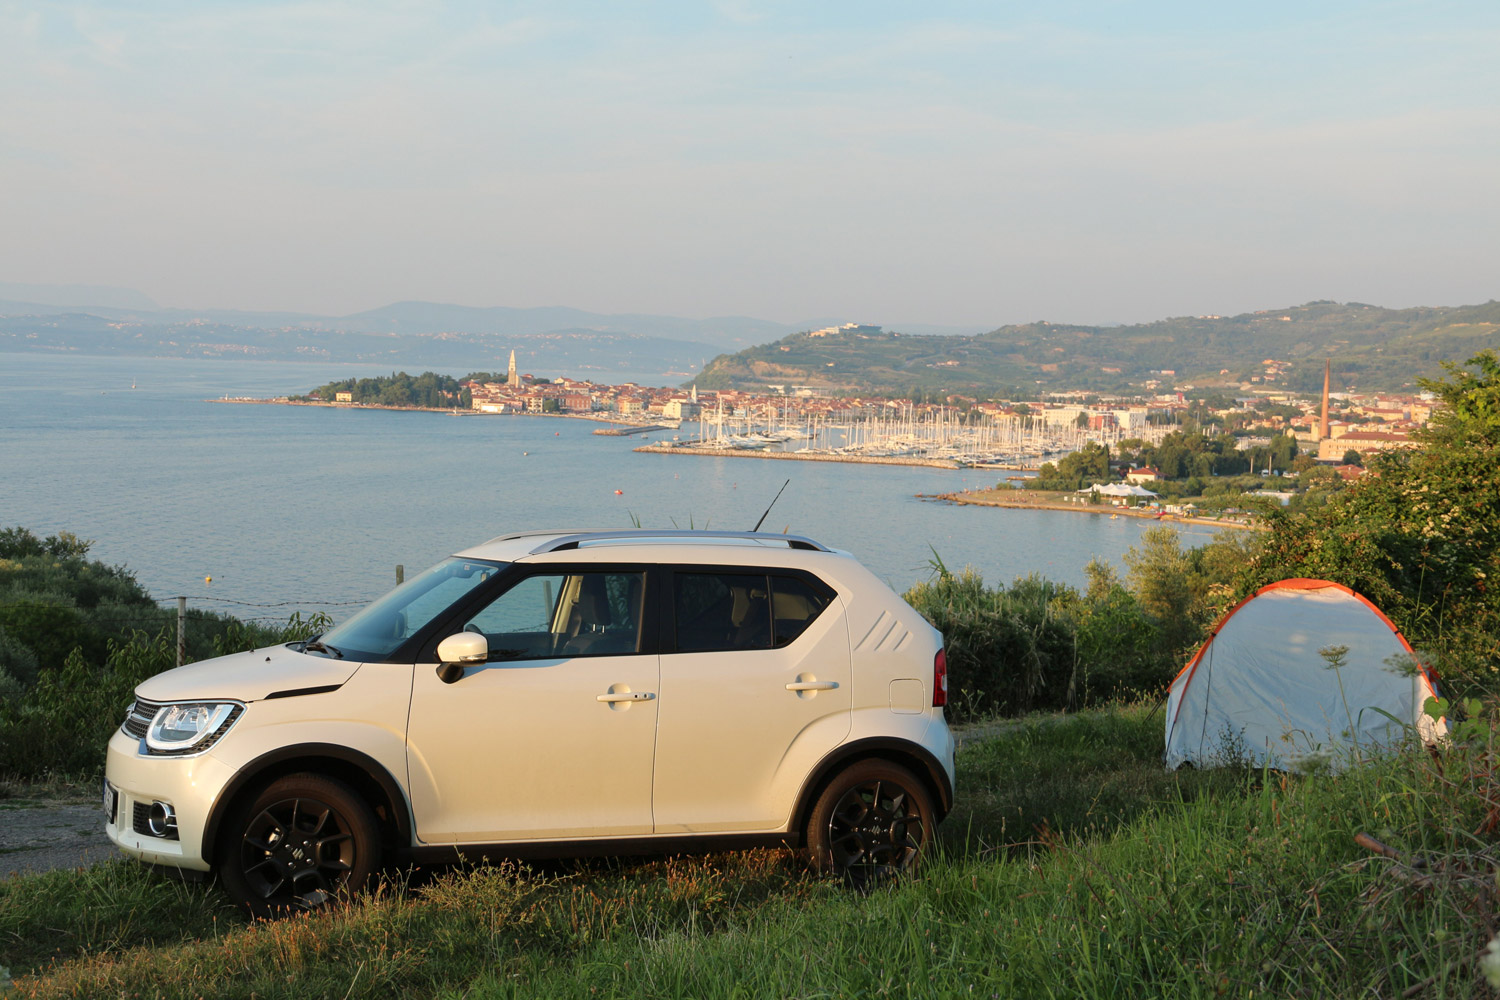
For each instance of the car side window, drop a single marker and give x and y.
(720, 611)
(551, 615)
(794, 605)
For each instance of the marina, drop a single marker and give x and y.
(940, 439)
(312, 507)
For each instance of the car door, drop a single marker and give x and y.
(553, 738)
(755, 689)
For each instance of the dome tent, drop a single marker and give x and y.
(1262, 689)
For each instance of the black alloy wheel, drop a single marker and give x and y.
(871, 823)
(305, 840)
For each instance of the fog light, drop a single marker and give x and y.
(162, 820)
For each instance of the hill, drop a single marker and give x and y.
(599, 355)
(71, 318)
(1372, 349)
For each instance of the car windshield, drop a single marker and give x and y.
(379, 629)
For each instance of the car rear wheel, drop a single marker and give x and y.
(303, 841)
(870, 823)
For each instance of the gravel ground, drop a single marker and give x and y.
(38, 835)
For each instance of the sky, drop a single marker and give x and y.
(940, 163)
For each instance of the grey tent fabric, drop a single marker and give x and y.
(1261, 689)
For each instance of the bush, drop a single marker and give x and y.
(1120, 653)
(1008, 651)
(76, 637)
(62, 726)
(1042, 645)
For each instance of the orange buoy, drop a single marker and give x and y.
(619, 493)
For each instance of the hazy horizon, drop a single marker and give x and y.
(1087, 162)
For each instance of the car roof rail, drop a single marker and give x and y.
(559, 541)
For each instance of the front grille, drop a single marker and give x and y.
(138, 719)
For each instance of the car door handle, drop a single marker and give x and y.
(812, 685)
(626, 696)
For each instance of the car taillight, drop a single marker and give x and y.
(940, 679)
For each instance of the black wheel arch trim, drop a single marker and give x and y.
(255, 771)
(890, 748)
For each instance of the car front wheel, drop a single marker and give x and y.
(301, 842)
(870, 823)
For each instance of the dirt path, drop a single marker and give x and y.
(38, 835)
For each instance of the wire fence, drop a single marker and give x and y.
(127, 615)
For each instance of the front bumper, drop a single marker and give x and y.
(189, 785)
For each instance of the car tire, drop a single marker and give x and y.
(303, 841)
(870, 823)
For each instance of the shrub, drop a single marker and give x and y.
(1008, 651)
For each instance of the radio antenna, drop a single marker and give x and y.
(770, 505)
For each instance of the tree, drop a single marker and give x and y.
(1089, 464)
(1352, 457)
(1420, 535)
(1283, 450)
(1158, 577)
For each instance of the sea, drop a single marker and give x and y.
(262, 510)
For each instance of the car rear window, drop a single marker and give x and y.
(717, 611)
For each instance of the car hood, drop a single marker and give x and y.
(247, 676)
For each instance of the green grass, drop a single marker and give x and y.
(1068, 775)
(1073, 866)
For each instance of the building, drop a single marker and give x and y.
(1364, 442)
(860, 329)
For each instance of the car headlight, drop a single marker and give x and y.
(190, 726)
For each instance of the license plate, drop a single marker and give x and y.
(110, 798)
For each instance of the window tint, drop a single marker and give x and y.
(717, 611)
(794, 604)
(563, 614)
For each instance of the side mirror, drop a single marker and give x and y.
(459, 651)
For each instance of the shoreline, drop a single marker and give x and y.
(789, 456)
(999, 498)
(1015, 499)
(455, 411)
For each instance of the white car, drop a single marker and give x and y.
(549, 694)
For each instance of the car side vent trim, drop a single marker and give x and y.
(297, 692)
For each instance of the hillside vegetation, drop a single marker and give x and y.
(1371, 348)
(1073, 864)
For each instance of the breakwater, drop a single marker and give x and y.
(1016, 499)
(803, 456)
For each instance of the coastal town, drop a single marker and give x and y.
(955, 431)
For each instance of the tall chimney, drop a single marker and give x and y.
(1323, 424)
